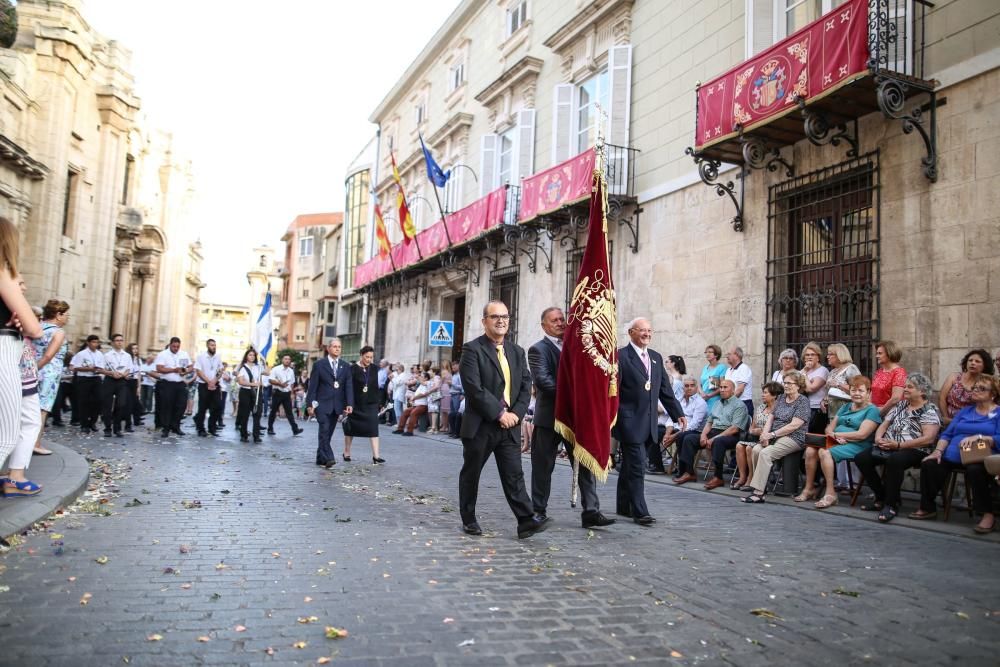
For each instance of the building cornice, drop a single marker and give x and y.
(592, 13)
(17, 159)
(526, 67)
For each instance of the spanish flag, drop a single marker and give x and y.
(384, 247)
(405, 219)
(587, 381)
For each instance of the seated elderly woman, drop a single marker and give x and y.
(784, 434)
(975, 425)
(902, 441)
(744, 459)
(787, 361)
(851, 432)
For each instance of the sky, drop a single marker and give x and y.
(269, 100)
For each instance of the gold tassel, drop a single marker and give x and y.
(613, 387)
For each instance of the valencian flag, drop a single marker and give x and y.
(381, 234)
(587, 384)
(405, 219)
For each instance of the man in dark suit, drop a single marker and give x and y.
(641, 382)
(543, 357)
(497, 392)
(331, 393)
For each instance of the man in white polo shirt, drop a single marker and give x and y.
(87, 365)
(282, 381)
(171, 392)
(208, 367)
(741, 375)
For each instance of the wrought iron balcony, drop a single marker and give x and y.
(864, 56)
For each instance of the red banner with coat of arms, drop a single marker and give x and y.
(827, 54)
(566, 183)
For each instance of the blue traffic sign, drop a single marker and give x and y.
(441, 333)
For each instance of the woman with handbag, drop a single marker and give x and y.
(851, 432)
(363, 422)
(901, 442)
(970, 437)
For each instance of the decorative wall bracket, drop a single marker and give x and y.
(820, 131)
(708, 170)
(756, 155)
(469, 264)
(618, 212)
(891, 97)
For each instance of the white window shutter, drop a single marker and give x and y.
(562, 122)
(620, 101)
(487, 164)
(524, 151)
(765, 25)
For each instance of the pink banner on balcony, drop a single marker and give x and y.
(465, 225)
(566, 183)
(827, 54)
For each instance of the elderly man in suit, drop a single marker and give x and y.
(497, 391)
(330, 394)
(543, 357)
(642, 381)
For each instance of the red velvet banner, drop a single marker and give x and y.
(464, 225)
(822, 57)
(567, 182)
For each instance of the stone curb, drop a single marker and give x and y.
(63, 476)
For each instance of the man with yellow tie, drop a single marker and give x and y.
(497, 391)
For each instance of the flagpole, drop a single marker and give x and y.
(444, 218)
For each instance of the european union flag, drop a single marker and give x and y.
(434, 171)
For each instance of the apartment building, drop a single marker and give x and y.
(305, 247)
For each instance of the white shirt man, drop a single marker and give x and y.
(174, 360)
(89, 357)
(149, 373)
(118, 364)
(283, 374)
(209, 364)
(740, 373)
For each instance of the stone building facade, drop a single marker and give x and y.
(305, 263)
(101, 199)
(512, 88)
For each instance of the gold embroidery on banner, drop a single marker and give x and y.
(800, 50)
(593, 305)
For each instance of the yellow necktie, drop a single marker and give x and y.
(505, 367)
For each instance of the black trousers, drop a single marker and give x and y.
(250, 405)
(544, 449)
(208, 401)
(281, 399)
(88, 400)
(65, 391)
(115, 405)
(171, 399)
(134, 414)
(933, 476)
(654, 451)
(631, 497)
(888, 485)
(691, 441)
(492, 439)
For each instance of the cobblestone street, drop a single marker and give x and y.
(215, 552)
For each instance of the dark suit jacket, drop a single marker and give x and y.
(636, 406)
(361, 397)
(484, 385)
(543, 357)
(332, 400)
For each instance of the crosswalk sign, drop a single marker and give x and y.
(441, 333)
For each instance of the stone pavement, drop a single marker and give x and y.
(209, 551)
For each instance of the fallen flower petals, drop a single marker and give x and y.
(448, 620)
(204, 639)
(323, 660)
(269, 650)
(335, 633)
(101, 560)
(240, 628)
(308, 619)
(154, 638)
(300, 644)
(185, 586)
(467, 642)
(85, 599)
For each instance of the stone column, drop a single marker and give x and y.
(122, 294)
(147, 311)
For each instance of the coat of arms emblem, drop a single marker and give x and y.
(769, 85)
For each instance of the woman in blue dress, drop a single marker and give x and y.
(49, 351)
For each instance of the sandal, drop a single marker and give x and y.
(982, 530)
(738, 484)
(25, 488)
(753, 499)
(826, 501)
(921, 515)
(873, 507)
(887, 514)
(806, 495)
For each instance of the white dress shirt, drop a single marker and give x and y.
(118, 360)
(282, 374)
(147, 379)
(170, 360)
(86, 358)
(209, 364)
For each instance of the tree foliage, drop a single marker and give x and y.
(299, 359)
(8, 23)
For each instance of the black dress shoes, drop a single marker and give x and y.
(165, 433)
(270, 431)
(329, 464)
(627, 514)
(178, 431)
(107, 433)
(472, 528)
(596, 520)
(297, 431)
(534, 525)
(645, 520)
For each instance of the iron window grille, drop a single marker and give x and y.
(823, 276)
(504, 287)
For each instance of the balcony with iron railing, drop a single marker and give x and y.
(864, 56)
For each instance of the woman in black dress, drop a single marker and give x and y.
(363, 422)
(248, 377)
